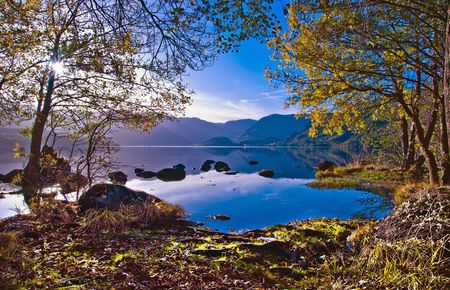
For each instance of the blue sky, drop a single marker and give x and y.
(235, 87)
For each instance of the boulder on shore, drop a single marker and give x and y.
(146, 174)
(118, 177)
(269, 173)
(111, 196)
(14, 175)
(171, 174)
(325, 165)
(221, 166)
(72, 182)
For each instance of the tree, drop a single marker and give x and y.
(121, 58)
(360, 59)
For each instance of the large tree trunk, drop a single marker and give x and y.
(411, 155)
(32, 172)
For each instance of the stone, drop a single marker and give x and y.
(269, 173)
(253, 162)
(325, 165)
(14, 175)
(146, 174)
(72, 182)
(221, 166)
(138, 170)
(179, 166)
(118, 177)
(219, 217)
(231, 172)
(171, 174)
(206, 166)
(111, 196)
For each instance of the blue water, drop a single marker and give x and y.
(250, 200)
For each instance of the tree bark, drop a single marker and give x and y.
(444, 100)
(32, 172)
(405, 141)
(411, 155)
(445, 163)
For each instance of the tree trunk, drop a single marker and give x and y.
(405, 141)
(411, 155)
(446, 98)
(32, 172)
(445, 163)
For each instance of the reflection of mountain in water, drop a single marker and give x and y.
(287, 162)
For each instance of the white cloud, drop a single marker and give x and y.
(219, 109)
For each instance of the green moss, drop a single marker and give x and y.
(334, 183)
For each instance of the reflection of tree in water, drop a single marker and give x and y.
(376, 206)
(311, 156)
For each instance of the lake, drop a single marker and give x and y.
(250, 200)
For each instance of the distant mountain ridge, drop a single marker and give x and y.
(273, 129)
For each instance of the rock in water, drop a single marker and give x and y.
(219, 217)
(253, 162)
(111, 196)
(206, 166)
(325, 165)
(231, 172)
(171, 174)
(138, 170)
(221, 166)
(269, 173)
(118, 177)
(146, 174)
(179, 166)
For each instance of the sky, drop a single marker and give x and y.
(235, 87)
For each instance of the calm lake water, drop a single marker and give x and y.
(250, 200)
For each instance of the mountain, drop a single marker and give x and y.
(183, 131)
(272, 129)
(219, 141)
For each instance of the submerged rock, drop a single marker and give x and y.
(146, 174)
(118, 177)
(269, 173)
(111, 196)
(138, 170)
(253, 162)
(171, 174)
(219, 217)
(231, 172)
(325, 165)
(221, 166)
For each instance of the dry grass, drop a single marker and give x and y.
(403, 192)
(147, 214)
(8, 245)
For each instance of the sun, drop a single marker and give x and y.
(58, 68)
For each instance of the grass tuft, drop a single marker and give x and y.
(8, 245)
(334, 183)
(128, 216)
